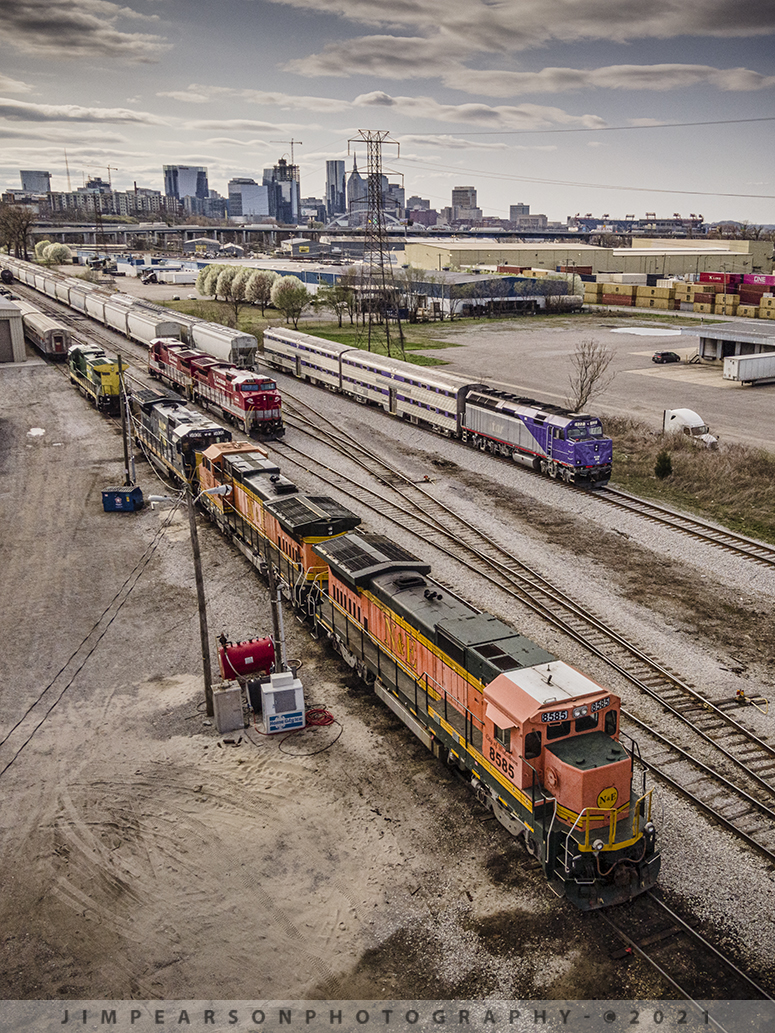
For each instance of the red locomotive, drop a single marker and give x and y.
(248, 399)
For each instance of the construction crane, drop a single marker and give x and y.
(110, 168)
(290, 143)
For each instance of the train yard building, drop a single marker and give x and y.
(12, 348)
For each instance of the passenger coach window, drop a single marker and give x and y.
(610, 723)
(503, 736)
(532, 745)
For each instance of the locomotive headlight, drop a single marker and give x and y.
(598, 845)
(580, 711)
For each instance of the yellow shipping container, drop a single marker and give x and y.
(766, 313)
(656, 292)
(767, 303)
(627, 289)
(727, 299)
(725, 310)
(748, 311)
(702, 306)
(654, 303)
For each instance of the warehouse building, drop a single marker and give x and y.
(723, 339)
(684, 260)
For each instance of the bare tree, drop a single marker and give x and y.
(15, 222)
(589, 376)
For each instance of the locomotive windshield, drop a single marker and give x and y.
(265, 385)
(578, 431)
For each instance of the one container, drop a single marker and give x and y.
(122, 500)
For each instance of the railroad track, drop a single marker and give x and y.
(758, 552)
(675, 948)
(701, 530)
(735, 785)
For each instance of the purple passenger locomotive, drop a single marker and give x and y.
(553, 440)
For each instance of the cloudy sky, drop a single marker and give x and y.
(560, 104)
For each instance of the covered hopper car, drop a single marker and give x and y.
(137, 319)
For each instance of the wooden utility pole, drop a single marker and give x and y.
(124, 426)
(200, 594)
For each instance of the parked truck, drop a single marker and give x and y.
(688, 422)
(750, 369)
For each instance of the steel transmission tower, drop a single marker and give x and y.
(379, 295)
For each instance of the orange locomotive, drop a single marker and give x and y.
(266, 516)
(539, 741)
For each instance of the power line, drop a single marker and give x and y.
(609, 129)
(573, 183)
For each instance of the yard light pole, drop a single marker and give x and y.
(221, 489)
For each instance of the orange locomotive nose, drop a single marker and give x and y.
(588, 773)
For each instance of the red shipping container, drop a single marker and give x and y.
(704, 297)
(721, 277)
(617, 299)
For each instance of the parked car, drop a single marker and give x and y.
(665, 357)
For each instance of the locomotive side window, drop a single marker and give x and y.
(503, 736)
(558, 730)
(610, 722)
(532, 745)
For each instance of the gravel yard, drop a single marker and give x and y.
(143, 856)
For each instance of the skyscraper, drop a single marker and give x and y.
(246, 197)
(35, 182)
(185, 181)
(284, 192)
(357, 190)
(336, 201)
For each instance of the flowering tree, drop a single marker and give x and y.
(291, 297)
(259, 288)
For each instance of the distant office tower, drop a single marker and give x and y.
(517, 210)
(417, 204)
(284, 189)
(185, 181)
(246, 197)
(464, 197)
(35, 182)
(357, 190)
(336, 201)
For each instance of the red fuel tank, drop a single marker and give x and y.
(249, 659)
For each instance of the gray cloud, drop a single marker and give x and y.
(458, 143)
(516, 24)
(76, 29)
(8, 85)
(23, 110)
(523, 116)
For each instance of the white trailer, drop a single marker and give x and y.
(750, 369)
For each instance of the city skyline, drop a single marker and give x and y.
(554, 104)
